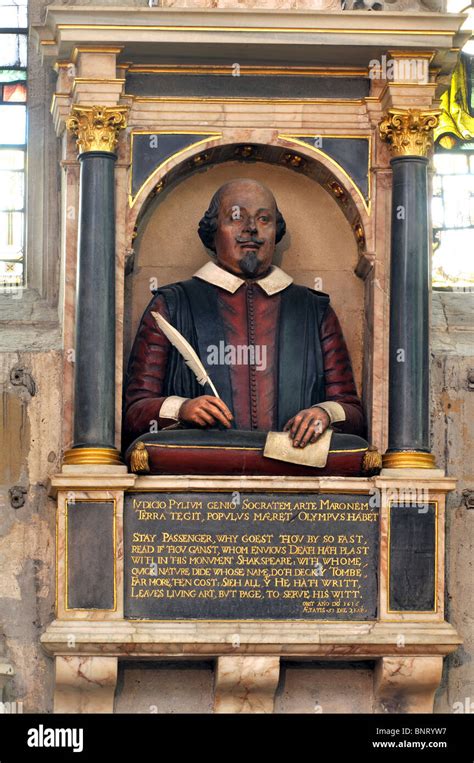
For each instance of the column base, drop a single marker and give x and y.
(408, 459)
(76, 456)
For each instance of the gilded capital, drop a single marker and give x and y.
(409, 132)
(97, 127)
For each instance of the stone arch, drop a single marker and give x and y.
(280, 150)
(193, 170)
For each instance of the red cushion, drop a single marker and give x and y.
(235, 452)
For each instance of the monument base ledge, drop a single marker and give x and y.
(176, 638)
(405, 644)
(97, 477)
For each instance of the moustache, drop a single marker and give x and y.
(252, 240)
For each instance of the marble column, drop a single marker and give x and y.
(97, 130)
(409, 134)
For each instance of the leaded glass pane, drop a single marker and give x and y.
(456, 200)
(13, 50)
(12, 125)
(12, 159)
(450, 164)
(12, 75)
(437, 185)
(13, 14)
(11, 235)
(452, 261)
(14, 93)
(438, 212)
(11, 273)
(11, 189)
(453, 220)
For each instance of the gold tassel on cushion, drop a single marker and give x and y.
(139, 458)
(372, 462)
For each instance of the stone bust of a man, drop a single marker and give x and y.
(295, 375)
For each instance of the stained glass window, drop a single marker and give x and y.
(453, 219)
(13, 96)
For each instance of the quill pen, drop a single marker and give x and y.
(190, 356)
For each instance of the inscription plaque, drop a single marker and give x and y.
(250, 556)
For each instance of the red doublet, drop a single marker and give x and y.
(250, 318)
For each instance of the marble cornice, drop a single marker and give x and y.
(364, 35)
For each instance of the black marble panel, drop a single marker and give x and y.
(351, 153)
(90, 555)
(412, 557)
(245, 86)
(152, 149)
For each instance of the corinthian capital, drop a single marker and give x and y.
(97, 127)
(409, 132)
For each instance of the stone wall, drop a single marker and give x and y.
(452, 348)
(30, 454)
(30, 432)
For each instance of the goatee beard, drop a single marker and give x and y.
(249, 264)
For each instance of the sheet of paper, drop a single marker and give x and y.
(279, 445)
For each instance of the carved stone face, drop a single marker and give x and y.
(246, 229)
